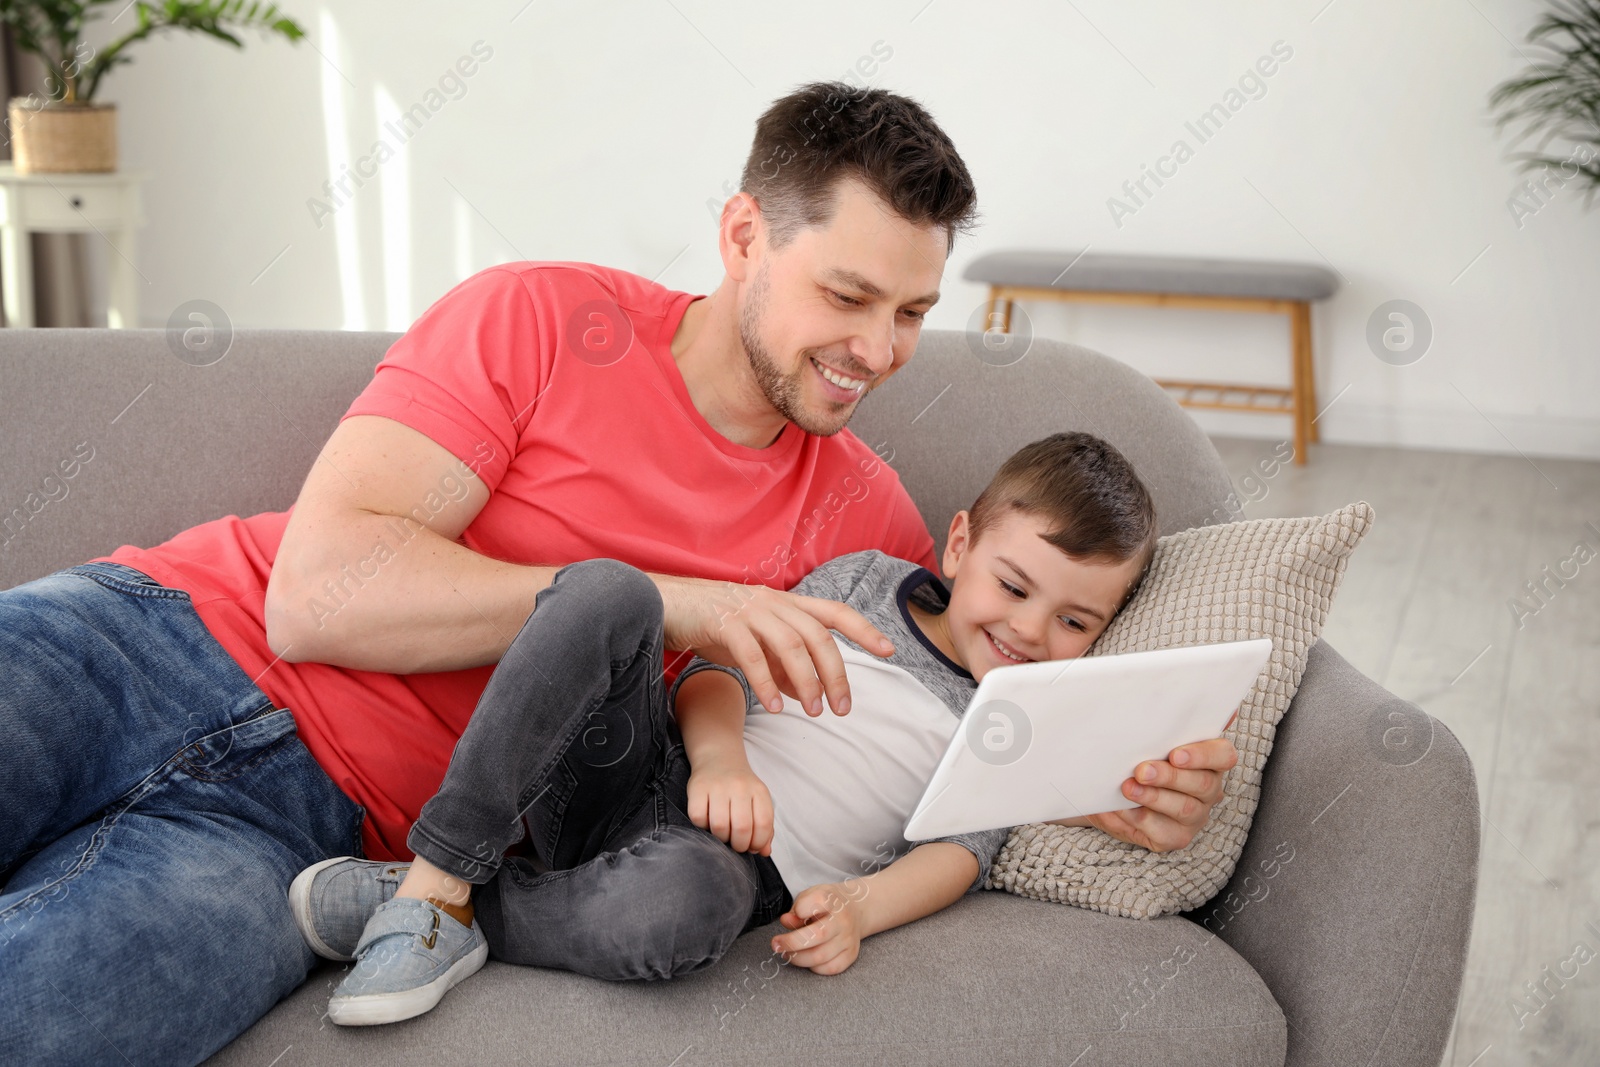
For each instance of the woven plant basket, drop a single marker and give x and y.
(61, 138)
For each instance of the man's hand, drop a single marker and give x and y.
(1175, 801)
(729, 800)
(780, 640)
(825, 928)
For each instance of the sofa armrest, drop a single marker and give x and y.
(1354, 897)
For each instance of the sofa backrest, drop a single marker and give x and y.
(108, 438)
(171, 445)
(950, 417)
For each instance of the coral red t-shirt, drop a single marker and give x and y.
(577, 420)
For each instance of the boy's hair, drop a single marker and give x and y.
(1088, 493)
(825, 131)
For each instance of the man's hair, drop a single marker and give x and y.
(825, 131)
(1093, 502)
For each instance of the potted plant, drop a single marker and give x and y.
(1560, 94)
(65, 130)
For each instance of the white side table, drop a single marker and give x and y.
(107, 204)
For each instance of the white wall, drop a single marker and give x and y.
(598, 132)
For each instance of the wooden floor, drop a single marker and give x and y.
(1426, 609)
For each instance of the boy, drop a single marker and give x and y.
(657, 840)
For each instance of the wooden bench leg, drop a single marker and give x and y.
(993, 311)
(1303, 383)
(1315, 431)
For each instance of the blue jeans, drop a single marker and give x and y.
(573, 738)
(155, 808)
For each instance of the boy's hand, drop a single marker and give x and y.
(728, 799)
(1175, 802)
(825, 925)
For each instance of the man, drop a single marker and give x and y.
(197, 722)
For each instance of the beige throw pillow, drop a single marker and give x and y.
(1258, 578)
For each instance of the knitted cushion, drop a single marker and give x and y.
(1259, 578)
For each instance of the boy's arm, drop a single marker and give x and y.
(710, 708)
(724, 795)
(827, 923)
(927, 879)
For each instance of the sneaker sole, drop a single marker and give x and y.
(300, 904)
(375, 1008)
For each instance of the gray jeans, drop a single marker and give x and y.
(572, 736)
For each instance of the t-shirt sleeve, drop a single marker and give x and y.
(698, 664)
(985, 845)
(467, 372)
(833, 579)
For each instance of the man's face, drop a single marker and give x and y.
(1016, 589)
(848, 298)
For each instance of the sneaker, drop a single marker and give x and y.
(409, 956)
(333, 900)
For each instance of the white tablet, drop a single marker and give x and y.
(1056, 739)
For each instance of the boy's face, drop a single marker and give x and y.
(1019, 590)
(849, 296)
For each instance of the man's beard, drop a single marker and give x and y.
(785, 392)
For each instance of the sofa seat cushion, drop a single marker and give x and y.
(993, 979)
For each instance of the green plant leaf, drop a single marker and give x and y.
(53, 30)
(1559, 96)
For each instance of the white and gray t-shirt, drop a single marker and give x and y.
(843, 787)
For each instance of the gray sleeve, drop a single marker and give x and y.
(834, 579)
(983, 844)
(698, 664)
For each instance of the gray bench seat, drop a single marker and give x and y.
(1118, 273)
(1249, 285)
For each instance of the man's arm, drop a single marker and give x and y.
(427, 603)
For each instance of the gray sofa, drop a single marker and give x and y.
(1350, 953)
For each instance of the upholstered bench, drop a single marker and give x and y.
(1172, 281)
